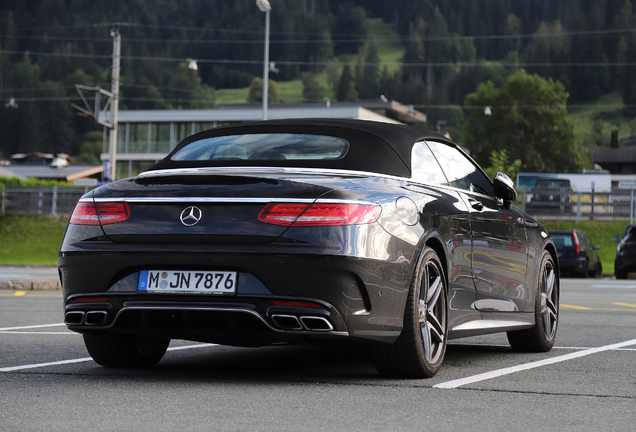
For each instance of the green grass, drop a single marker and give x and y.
(30, 240)
(600, 233)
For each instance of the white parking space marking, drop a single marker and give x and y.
(85, 359)
(32, 366)
(31, 327)
(39, 333)
(612, 286)
(510, 370)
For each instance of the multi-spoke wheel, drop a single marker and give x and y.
(540, 338)
(125, 351)
(420, 349)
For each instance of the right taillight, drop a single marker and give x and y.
(577, 245)
(102, 213)
(319, 214)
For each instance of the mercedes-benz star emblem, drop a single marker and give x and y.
(191, 216)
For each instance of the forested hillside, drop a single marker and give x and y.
(449, 47)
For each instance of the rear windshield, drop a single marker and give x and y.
(553, 184)
(264, 147)
(562, 240)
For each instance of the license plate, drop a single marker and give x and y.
(204, 282)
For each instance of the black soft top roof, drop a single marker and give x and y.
(376, 147)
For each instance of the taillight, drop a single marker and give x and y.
(577, 245)
(319, 214)
(101, 213)
(90, 300)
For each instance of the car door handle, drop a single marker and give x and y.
(477, 205)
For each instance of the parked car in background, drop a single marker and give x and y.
(626, 253)
(577, 255)
(551, 195)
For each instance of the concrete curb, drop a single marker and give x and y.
(29, 285)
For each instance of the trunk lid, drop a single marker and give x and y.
(206, 208)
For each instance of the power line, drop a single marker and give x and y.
(323, 41)
(327, 63)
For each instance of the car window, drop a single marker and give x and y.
(424, 166)
(264, 147)
(460, 171)
(562, 240)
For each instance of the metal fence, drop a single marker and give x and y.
(617, 204)
(43, 201)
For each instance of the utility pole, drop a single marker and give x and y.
(113, 101)
(114, 106)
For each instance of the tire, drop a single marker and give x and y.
(419, 350)
(597, 271)
(620, 274)
(541, 337)
(116, 350)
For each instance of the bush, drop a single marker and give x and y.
(15, 181)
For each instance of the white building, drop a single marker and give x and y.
(147, 136)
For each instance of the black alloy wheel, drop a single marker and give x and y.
(419, 351)
(541, 337)
(115, 350)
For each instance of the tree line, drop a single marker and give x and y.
(450, 47)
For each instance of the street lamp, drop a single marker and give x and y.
(264, 6)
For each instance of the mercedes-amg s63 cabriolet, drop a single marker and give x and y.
(308, 231)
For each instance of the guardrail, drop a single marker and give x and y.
(42, 201)
(619, 203)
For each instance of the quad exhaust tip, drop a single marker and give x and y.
(287, 322)
(74, 318)
(310, 323)
(86, 318)
(315, 323)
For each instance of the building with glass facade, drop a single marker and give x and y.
(146, 136)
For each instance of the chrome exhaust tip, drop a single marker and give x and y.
(315, 323)
(74, 318)
(287, 322)
(95, 317)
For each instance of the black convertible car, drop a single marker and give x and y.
(308, 231)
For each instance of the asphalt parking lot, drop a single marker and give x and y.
(587, 382)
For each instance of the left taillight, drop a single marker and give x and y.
(102, 213)
(319, 214)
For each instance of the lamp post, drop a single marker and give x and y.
(264, 6)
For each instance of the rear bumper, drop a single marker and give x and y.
(248, 322)
(572, 264)
(360, 296)
(625, 264)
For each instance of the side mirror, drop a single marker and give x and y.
(597, 247)
(505, 188)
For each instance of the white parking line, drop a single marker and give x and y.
(612, 286)
(39, 333)
(85, 359)
(31, 327)
(509, 370)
